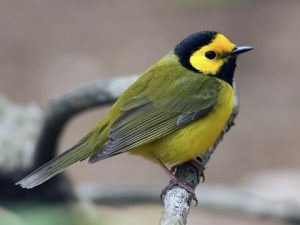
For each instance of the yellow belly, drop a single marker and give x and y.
(194, 139)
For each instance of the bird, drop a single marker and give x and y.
(177, 110)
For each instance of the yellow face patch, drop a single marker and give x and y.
(220, 46)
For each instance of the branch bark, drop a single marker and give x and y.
(177, 200)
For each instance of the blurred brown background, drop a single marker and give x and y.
(49, 47)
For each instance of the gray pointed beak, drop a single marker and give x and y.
(241, 49)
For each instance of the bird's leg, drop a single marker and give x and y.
(173, 168)
(175, 182)
(165, 168)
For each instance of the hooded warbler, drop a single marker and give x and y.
(177, 109)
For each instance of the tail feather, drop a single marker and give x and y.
(77, 153)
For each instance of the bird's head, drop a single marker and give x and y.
(209, 53)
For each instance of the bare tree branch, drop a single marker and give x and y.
(212, 198)
(63, 108)
(177, 200)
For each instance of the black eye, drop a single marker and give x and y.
(210, 54)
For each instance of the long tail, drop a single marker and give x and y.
(77, 153)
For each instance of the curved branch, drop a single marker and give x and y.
(60, 111)
(63, 108)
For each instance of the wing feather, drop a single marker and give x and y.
(144, 120)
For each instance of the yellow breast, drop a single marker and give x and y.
(194, 139)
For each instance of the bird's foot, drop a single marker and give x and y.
(176, 182)
(200, 167)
